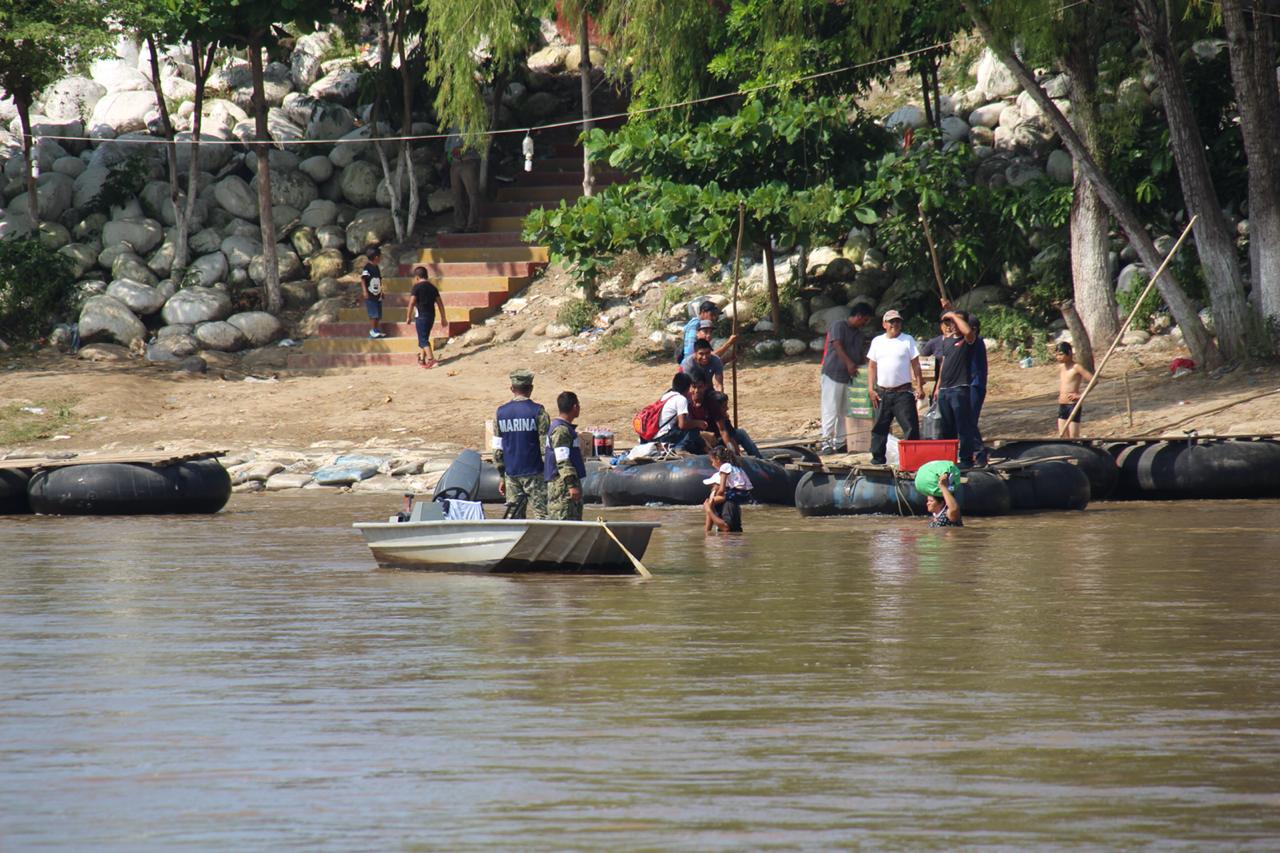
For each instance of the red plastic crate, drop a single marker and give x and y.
(913, 454)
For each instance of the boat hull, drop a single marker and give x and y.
(508, 546)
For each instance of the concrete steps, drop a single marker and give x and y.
(476, 273)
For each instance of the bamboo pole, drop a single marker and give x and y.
(933, 253)
(1128, 322)
(737, 260)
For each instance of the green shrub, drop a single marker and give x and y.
(577, 314)
(123, 183)
(1013, 329)
(1128, 298)
(34, 283)
(619, 337)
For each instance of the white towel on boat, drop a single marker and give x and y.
(465, 511)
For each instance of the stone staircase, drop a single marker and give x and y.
(476, 273)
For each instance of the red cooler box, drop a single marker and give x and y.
(913, 454)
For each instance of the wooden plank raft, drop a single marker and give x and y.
(158, 459)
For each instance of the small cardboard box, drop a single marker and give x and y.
(928, 366)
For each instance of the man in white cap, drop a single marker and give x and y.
(895, 384)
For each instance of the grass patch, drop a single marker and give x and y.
(577, 314)
(18, 426)
(619, 337)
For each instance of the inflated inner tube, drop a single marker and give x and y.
(13, 492)
(202, 486)
(1097, 464)
(1202, 470)
(487, 492)
(792, 452)
(679, 481)
(982, 493)
(1053, 484)
(489, 480)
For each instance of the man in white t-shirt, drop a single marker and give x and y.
(675, 426)
(895, 384)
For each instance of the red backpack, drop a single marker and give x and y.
(645, 423)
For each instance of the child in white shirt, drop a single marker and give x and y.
(731, 487)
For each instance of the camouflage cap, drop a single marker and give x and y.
(522, 376)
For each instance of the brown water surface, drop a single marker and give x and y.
(249, 681)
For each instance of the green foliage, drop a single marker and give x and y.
(577, 314)
(39, 40)
(691, 182)
(18, 426)
(1128, 298)
(34, 283)
(1012, 328)
(123, 183)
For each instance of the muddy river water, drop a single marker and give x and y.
(249, 681)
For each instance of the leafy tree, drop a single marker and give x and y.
(1197, 338)
(39, 40)
(34, 282)
(691, 182)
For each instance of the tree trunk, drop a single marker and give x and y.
(927, 97)
(1235, 327)
(1081, 346)
(1252, 52)
(406, 126)
(584, 68)
(180, 220)
(775, 306)
(384, 72)
(1094, 294)
(937, 89)
(273, 300)
(203, 67)
(1183, 310)
(23, 102)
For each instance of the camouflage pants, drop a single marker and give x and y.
(559, 505)
(526, 497)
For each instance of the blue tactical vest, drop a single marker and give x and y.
(575, 454)
(518, 421)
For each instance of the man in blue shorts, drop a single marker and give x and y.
(371, 288)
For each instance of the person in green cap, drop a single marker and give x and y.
(520, 434)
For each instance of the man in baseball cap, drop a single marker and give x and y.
(520, 434)
(894, 383)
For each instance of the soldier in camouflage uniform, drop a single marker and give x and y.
(521, 428)
(562, 464)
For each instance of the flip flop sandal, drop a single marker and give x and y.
(421, 360)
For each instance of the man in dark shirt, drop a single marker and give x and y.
(954, 402)
(936, 348)
(845, 350)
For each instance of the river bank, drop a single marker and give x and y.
(416, 420)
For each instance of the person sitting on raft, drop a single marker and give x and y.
(730, 488)
(944, 511)
(676, 426)
(710, 407)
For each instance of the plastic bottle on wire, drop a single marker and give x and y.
(526, 148)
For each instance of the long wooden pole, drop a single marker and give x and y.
(1136, 306)
(635, 561)
(933, 253)
(737, 260)
(1128, 400)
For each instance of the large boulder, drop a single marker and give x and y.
(288, 264)
(141, 299)
(329, 121)
(291, 189)
(142, 234)
(87, 185)
(548, 60)
(1059, 167)
(220, 336)
(122, 112)
(174, 347)
(72, 98)
(240, 251)
(298, 294)
(209, 158)
(116, 75)
(339, 85)
(319, 213)
(982, 299)
(955, 128)
(54, 194)
(908, 116)
(360, 183)
(207, 270)
(821, 320)
(81, 256)
(205, 241)
(371, 227)
(327, 263)
(324, 311)
(106, 319)
(283, 129)
(318, 168)
(304, 242)
(127, 264)
(196, 305)
(304, 62)
(995, 80)
(236, 197)
(258, 327)
(221, 116)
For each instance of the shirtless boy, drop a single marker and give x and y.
(1070, 377)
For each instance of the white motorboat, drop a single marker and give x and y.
(508, 545)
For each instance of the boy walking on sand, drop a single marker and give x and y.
(1070, 377)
